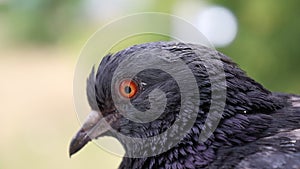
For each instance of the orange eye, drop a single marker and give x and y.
(128, 88)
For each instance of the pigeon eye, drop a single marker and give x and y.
(128, 88)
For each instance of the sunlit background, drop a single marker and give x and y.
(41, 39)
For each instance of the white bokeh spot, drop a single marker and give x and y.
(218, 24)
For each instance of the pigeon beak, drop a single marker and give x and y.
(78, 142)
(94, 125)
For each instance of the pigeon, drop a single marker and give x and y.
(255, 129)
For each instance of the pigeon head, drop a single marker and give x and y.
(134, 94)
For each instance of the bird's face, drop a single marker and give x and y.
(140, 106)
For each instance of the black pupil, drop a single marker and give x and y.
(127, 89)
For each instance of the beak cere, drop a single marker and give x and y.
(94, 125)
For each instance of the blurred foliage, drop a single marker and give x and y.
(40, 21)
(266, 45)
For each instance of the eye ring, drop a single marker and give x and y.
(128, 88)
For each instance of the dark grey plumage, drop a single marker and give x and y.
(258, 129)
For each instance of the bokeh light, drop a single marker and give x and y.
(218, 24)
